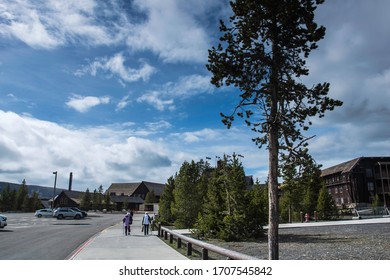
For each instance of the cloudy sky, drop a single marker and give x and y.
(117, 91)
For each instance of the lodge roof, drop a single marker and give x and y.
(128, 189)
(341, 168)
(348, 166)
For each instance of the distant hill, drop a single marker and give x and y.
(43, 192)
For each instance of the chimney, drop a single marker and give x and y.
(70, 181)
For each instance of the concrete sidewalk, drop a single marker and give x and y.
(112, 244)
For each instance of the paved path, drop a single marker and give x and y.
(112, 244)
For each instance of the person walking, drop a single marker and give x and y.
(127, 221)
(146, 223)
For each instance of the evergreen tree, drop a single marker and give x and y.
(86, 200)
(235, 221)
(300, 189)
(13, 200)
(188, 199)
(21, 196)
(166, 201)
(26, 205)
(35, 202)
(100, 198)
(6, 199)
(257, 210)
(210, 223)
(325, 206)
(150, 197)
(231, 212)
(95, 199)
(107, 201)
(262, 52)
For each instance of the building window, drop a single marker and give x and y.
(370, 186)
(369, 172)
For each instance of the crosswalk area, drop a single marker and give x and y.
(27, 222)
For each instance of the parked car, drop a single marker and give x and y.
(85, 214)
(3, 221)
(62, 213)
(44, 213)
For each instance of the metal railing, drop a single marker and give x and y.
(371, 212)
(205, 247)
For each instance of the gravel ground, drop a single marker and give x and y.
(339, 242)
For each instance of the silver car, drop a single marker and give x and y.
(44, 213)
(3, 221)
(62, 213)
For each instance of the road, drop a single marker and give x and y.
(30, 238)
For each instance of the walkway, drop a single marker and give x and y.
(112, 244)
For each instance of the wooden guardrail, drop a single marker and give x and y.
(206, 247)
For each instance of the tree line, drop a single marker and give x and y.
(19, 200)
(216, 202)
(96, 200)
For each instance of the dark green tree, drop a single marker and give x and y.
(263, 52)
(188, 194)
(86, 200)
(95, 199)
(22, 196)
(300, 189)
(210, 220)
(230, 211)
(257, 210)
(150, 197)
(234, 222)
(326, 208)
(107, 201)
(100, 198)
(166, 201)
(35, 202)
(6, 202)
(292, 193)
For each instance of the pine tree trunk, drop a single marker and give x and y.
(273, 235)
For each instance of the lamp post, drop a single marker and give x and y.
(54, 192)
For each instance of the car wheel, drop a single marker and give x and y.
(39, 215)
(60, 217)
(77, 216)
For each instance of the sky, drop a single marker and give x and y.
(117, 91)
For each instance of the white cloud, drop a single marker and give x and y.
(50, 24)
(156, 100)
(187, 86)
(170, 31)
(123, 103)
(32, 149)
(116, 66)
(170, 28)
(82, 104)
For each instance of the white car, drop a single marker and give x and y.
(62, 213)
(44, 213)
(3, 221)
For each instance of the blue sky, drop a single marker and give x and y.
(117, 91)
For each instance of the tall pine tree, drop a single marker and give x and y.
(263, 52)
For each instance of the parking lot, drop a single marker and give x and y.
(27, 237)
